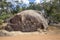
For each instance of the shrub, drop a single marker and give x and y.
(1, 21)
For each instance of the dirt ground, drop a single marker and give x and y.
(53, 33)
(32, 37)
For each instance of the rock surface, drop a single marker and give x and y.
(27, 21)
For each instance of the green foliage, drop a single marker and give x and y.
(1, 21)
(4, 16)
(52, 10)
(34, 6)
(17, 8)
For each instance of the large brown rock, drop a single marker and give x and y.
(27, 21)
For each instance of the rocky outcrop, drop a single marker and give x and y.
(27, 21)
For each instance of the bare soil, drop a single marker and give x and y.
(32, 37)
